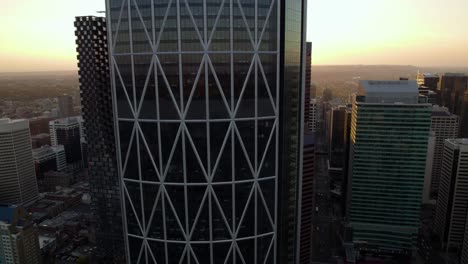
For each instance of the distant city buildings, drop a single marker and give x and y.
(39, 125)
(96, 102)
(19, 241)
(53, 179)
(40, 140)
(65, 106)
(389, 136)
(65, 222)
(451, 211)
(17, 175)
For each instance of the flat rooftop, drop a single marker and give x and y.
(441, 111)
(12, 125)
(47, 150)
(430, 75)
(459, 141)
(67, 121)
(388, 92)
(454, 74)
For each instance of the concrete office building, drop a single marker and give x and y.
(17, 176)
(454, 95)
(308, 93)
(445, 126)
(389, 137)
(208, 100)
(49, 158)
(464, 253)
(68, 132)
(307, 201)
(313, 115)
(101, 158)
(428, 198)
(451, 210)
(19, 242)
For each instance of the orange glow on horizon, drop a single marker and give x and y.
(39, 35)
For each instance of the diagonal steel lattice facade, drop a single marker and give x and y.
(200, 127)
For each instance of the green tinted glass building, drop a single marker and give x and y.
(389, 137)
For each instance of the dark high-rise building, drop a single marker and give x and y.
(451, 211)
(68, 132)
(428, 80)
(388, 150)
(347, 144)
(428, 84)
(463, 106)
(308, 161)
(454, 95)
(337, 136)
(65, 106)
(208, 103)
(309, 94)
(307, 200)
(99, 153)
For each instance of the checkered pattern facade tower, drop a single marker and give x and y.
(96, 101)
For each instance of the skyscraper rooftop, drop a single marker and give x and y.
(9, 125)
(403, 91)
(67, 121)
(459, 141)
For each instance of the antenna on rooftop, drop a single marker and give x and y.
(101, 12)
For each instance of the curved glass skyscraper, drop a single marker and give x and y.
(207, 104)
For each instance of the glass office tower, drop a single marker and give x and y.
(389, 138)
(207, 99)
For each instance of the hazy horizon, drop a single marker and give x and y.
(39, 35)
(434, 67)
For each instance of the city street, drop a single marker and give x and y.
(322, 246)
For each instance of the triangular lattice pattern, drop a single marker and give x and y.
(196, 89)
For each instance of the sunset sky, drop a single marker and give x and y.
(39, 35)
